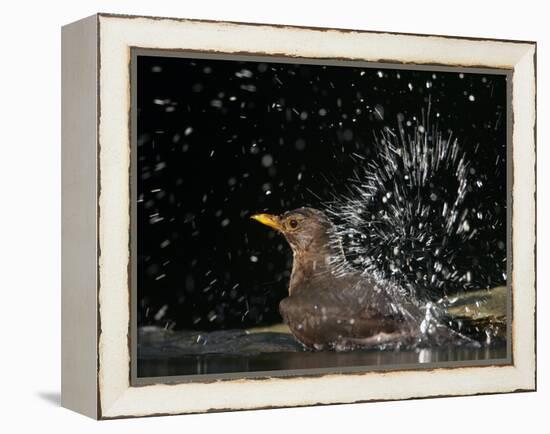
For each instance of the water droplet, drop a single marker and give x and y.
(267, 160)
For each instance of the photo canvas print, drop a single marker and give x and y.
(294, 217)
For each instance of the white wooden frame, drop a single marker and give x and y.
(96, 219)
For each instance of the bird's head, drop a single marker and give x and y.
(307, 230)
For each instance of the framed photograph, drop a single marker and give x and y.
(261, 216)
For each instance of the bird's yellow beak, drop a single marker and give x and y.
(269, 220)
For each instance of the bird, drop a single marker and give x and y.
(332, 306)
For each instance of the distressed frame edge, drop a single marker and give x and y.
(530, 50)
(304, 27)
(79, 272)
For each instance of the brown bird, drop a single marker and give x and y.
(331, 305)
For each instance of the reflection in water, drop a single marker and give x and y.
(164, 353)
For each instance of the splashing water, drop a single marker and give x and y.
(408, 220)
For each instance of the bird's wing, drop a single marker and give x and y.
(325, 318)
(358, 297)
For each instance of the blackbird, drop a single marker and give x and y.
(331, 305)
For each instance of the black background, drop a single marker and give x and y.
(219, 140)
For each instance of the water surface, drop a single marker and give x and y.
(163, 353)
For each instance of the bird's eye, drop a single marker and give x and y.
(293, 223)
